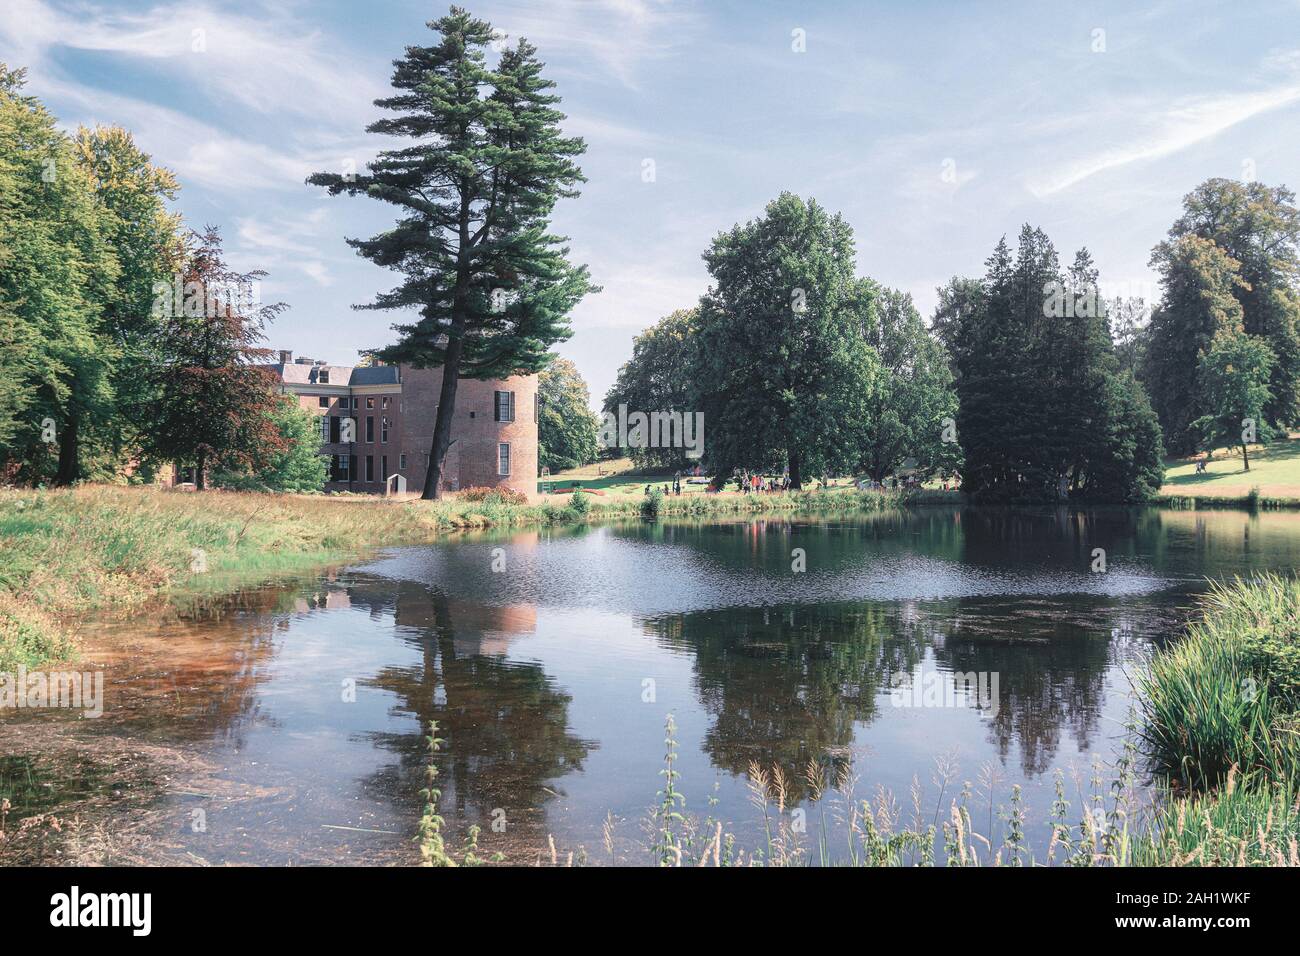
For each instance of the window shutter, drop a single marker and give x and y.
(512, 405)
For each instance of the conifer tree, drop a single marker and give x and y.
(492, 288)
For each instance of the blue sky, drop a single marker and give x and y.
(933, 127)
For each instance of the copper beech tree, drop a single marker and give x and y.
(216, 401)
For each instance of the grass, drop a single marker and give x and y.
(66, 553)
(1273, 479)
(1227, 695)
(619, 478)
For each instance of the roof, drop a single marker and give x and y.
(294, 373)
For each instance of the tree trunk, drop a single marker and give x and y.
(201, 472)
(68, 453)
(442, 424)
(796, 477)
(1245, 456)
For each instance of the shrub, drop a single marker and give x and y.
(652, 505)
(579, 504)
(499, 496)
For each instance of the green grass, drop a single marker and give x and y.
(619, 478)
(1227, 695)
(1274, 477)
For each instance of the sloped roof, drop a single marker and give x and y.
(294, 373)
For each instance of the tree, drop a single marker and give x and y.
(1198, 300)
(1234, 373)
(660, 377)
(1129, 329)
(566, 428)
(295, 466)
(1044, 406)
(148, 243)
(1258, 228)
(785, 373)
(914, 394)
(476, 188)
(216, 403)
(58, 272)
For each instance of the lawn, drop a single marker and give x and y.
(619, 478)
(1274, 469)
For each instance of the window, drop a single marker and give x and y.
(370, 467)
(370, 429)
(503, 458)
(370, 403)
(324, 401)
(324, 428)
(323, 376)
(334, 429)
(356, 402)
(505, 406)
(340, 469)
(383, 468)
(385, 401)
(401, 463)
(383, 430)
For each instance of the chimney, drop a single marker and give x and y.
(285, 356)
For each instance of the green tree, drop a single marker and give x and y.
(1044, 406)
(216, 403)
(1258, 228)
(476, 187)
(1198, 300)
(660, 376)
(914, 394)
(59, 270)
(295, 466)
(785, 373)
(148, 242)
(566, 428)
(1235, 375)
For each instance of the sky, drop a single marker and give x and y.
(934, 128)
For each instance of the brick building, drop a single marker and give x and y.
(377, 421)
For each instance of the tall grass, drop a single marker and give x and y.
(1226, 694)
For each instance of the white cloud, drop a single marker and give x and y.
(1182, 125)
(269, 62)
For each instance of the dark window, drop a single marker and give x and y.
(323, 376)
(505, 406)
(334, 429)
(341, 467)
(324, 401)
(370, 429)
(383, 468)
(401, 463)
(370, 467)
(503, 458)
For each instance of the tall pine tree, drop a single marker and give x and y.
(476, 187)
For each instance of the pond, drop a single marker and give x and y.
(287, 723)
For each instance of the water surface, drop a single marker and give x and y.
(287, 723)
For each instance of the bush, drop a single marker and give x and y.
(496, 496)
(653, 504)
(579, 504)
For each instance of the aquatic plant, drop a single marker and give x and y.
(1227, 694)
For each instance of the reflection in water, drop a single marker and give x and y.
(537, 676)
(505, 723)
